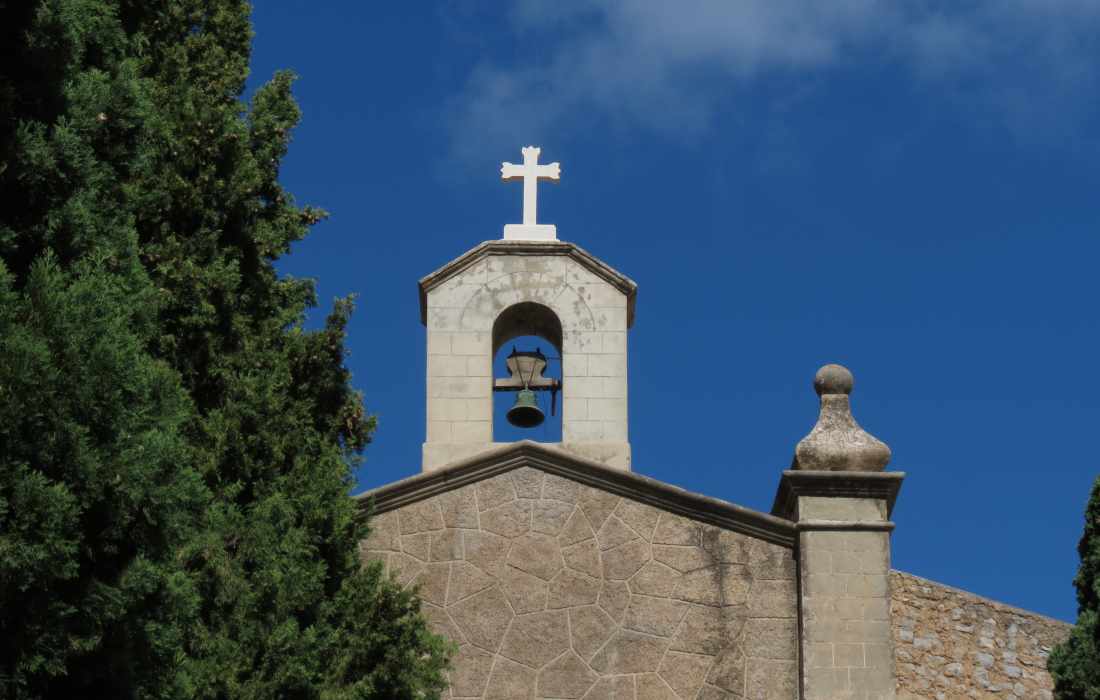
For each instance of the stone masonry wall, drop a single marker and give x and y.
(951, 644)
(554, 589)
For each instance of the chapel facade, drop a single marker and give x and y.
(561, 572)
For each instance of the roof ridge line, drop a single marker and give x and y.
(557, 461)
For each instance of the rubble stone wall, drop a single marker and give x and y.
(554, 589)
(952, 644)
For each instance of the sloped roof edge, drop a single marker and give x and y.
(501, 247)
(556, 461)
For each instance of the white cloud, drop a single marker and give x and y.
(667, 65)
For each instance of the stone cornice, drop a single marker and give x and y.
(502, 247)
(797, 482)
(555, 461)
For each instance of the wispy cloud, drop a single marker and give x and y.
(669, 66)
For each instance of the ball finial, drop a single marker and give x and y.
(837, 443)
(833, 379)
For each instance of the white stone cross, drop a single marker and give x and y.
(530, 172)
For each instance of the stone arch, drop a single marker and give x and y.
(527, 318)
(494, 296)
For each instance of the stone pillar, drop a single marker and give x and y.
(841, 500)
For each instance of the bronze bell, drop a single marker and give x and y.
(525, 412)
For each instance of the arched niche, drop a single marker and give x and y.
(526, 326)
(527, 318)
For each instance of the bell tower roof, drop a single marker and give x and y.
(521, 248)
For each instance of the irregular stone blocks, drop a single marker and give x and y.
(555, 589)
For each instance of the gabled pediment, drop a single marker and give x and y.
(574, 252)
(552, 460)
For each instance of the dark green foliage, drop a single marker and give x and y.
(177, 449)
(96, 495)
(1075, 664)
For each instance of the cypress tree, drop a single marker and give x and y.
(1075, 664)
(98, 491)
(150, 221)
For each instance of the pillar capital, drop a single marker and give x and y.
(799, 486)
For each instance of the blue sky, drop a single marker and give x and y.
(911, 189)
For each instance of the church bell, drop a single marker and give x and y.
(526, 378)
(525, 412)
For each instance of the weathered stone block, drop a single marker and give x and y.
(577, 529)
(404, 567)
(537, 554)
(446, 409)
(420, 517)
(591, 627)
(559, 488)
(772, 679)
(656, 616)
(486, 551)
(508, 520)
(684, 673)
(495, 491)
(651, 686)
(612, 688)
(728, 671)
(712, 692)
(418, 545)
(385, 533)
(715, 585)
(771, 639)
(566, 677)
(510, 681)
(770, 561)
(571, 589)
(848, 655)
(701, 586)
(446, 545)
(459, 508)
(707, 631)
(674, 529)
(640, 517)
(614, 533)
(629, 652)
(727, 547)
(527, 593)
(470, 672)
(431, 583)
(528, 482)
(466, 580)
(841, 509)
(773, 599)
(483, 618)
(597, 506)
(549, 517)
(584, 557)
(614, 599)
(654, 579)
(440, 623)
(681, 558)
(624, 561)
(537, 638)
